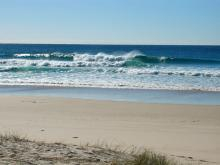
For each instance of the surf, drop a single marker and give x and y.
(132, 58)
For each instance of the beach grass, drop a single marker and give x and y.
(17, 149)
(147, 158)
(12, 138)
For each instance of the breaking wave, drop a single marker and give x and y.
(130, 70)
(21, 65)
(133, 58)
(133, 63)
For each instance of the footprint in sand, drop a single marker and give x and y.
(75, 137)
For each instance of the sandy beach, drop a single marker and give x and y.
(180, 130)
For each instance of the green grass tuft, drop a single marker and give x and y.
(146, 158)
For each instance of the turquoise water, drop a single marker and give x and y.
(111, 66)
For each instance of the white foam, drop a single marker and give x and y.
(120, 85)
(34, 55)
(115, 66)
(107, 71)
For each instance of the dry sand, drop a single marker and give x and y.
(181, 130)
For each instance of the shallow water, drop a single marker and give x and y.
(134, 95)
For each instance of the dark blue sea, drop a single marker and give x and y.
(111, 66)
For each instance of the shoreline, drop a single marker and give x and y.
(180, 130)
(122, 87)
(106, 87)
(156, 96)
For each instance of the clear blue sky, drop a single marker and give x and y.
(110, 21)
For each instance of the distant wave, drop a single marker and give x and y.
(48, 56)
(169, 60)
(133, 58)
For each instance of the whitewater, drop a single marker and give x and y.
(133, 68)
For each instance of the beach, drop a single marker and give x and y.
(178, 130)
(164, 98)
(110, 82)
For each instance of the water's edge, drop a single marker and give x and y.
(115, 94)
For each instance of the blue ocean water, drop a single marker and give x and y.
(111, 66)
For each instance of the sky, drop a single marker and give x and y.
(110, 21)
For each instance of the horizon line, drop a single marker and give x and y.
(113, 44)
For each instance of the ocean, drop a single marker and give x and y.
(158, 67)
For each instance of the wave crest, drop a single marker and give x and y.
(133, 58)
